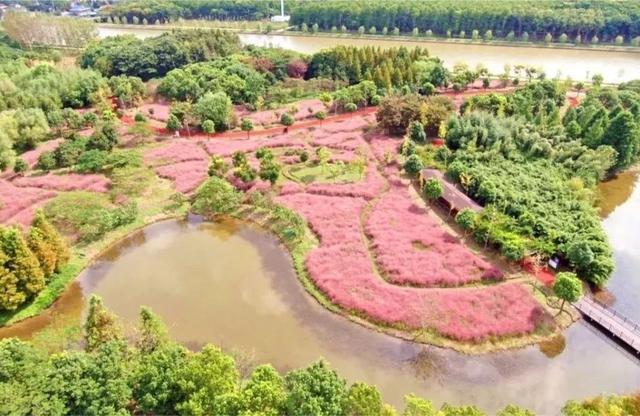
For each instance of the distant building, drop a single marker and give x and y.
(452, 198)
(81, 11)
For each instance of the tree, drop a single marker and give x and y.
(204, 379)
(304, 28)
(22, 262)
(361, 30)
(416, 132)
(548, 38)
(350, 107)
(466, 219)
(216, 107)
(525, 37)
(101, 325)
(20, 166)
(413, 165)
(623, 135)
(30, 128)
(597, 79)
(208, 127)
(416, 406)
(314, 28)
(488, 35)
(216, 196)
(567, 287)
(396, 112)
(10, 294)
(363, 400)
(173, 124)
(53, 238)
(246, 125)
(287, 119)
(563, 38)
(619, 40)
(152, 332)
(315, 390)
(92, 161)
(415, 32)
(269, 170)
(513, 410)
(432, 189)
(264, 393)
(104, 138)
(320, 115)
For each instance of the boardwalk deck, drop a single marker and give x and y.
(611, 323)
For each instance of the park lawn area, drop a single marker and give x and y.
(328, 173)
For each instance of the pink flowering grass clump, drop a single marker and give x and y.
(384, 147)
(412, 248)
(186, 176)
(369, 188)
(290, 187)
(17, 205)
(65, 182)
(175, 151)
(343, 270)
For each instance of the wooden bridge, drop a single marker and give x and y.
(613, 324)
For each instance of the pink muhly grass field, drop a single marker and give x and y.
(175, 151)
(224, 147)
(66, 182)
(186, 176)
(412, 248)
(349, 125)
(17, 205)
(340, 140)
(342, 269)
(270, 116)
(160, 111)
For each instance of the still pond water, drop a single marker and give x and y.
(615, 66)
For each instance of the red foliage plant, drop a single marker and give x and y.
(297, 68)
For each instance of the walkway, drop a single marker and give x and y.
(612, 324)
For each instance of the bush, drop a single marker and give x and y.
(139, 118)
(286, 119)
(304, 156)
(104, 138)
(69, 151)
(466, 219)
(413, 165)
(208, 127)
(92, 161)
(124, 159)
(46, 161)
(216, 196)
(20, 166)
(350, 107)
(173, 124)
(432, 189)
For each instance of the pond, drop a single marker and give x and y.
(232, 284)
(578, 64)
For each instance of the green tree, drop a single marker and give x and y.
(623, 135)
(92, 161)
(416, 406)
(287, 119)
(314, 28)
(264, 393)
(216, 196)
(513, 410)
(104, 138)
(22, 262)
(269, 170)
(10, 294)
(432, 189)
(416, 132)
(315, 391)
(217, 166)
(361, 30)
(363, 400)
(216, 107)
(204, 380)
(619, 40)
(246, 125)
(466, 219)
(152, 332)
(101, 325)
(208, 127)
(173, 124)
(567, 287)
(413, 165)
(488, 35)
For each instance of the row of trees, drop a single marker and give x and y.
(155, 375)
(154, 57)
(511, 18)
(169, 10)
(28, 262)
(33, 29)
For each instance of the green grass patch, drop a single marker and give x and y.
(327, 173)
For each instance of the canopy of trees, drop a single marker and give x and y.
(604, 19)
(169, 10)
(32, 29)
(154, 57)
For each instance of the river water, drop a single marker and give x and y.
(578, 64)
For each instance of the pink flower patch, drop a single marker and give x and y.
(32, 156)
(186, 176)
(66, 182)
(17, 205)
(175, 151)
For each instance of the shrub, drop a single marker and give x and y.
(432, 189)
(89, 119)
(46, 161)
(217, 166)
(413, 165)
(104, 138)
(92, 161)
(416, 132)
(304, 156)
(139, 118)
(216, 196)
(69, 151)
(350, 107)
(466, 219)
(286, 119)
(173, 124)
(208, 126)
(20, 166)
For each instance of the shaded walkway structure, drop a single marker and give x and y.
(454, 199)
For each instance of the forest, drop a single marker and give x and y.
(581, 21)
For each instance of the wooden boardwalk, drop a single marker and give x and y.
(613, 324)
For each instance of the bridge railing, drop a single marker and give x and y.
(614, 315)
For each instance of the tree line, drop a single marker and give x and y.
(581, 21)
(152, 374)
(35, 29)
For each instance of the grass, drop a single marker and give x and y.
(329, 173)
